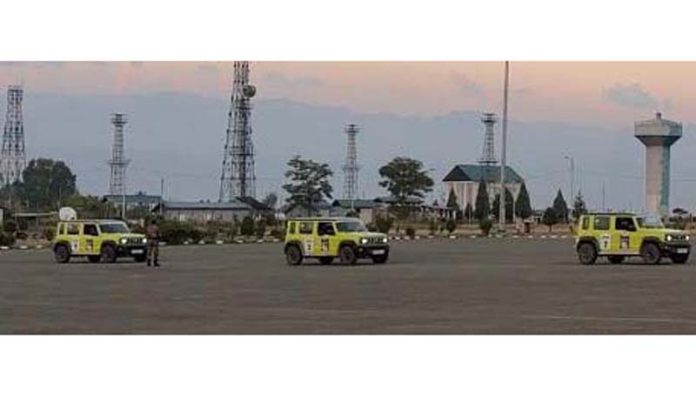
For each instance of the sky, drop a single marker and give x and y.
(428, 110)
(598, 92)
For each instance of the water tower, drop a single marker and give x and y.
(658, 135)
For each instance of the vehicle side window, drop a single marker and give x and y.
(625, 224)
(90, 229)
(291, 227)
(306, 227)
(325, 228)
(585, 223)
(601, 223)
(73, 229)
(62, 229)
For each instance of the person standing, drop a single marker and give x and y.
(153, 236)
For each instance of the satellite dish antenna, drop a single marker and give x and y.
(67, 214)
(249, 91)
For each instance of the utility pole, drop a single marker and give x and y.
(572, 175)
(503, 162)
(604, 198)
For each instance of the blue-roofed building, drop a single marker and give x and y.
(464, 180)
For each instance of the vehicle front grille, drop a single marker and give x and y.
(375, 241)
(678, 237)
(135, 241)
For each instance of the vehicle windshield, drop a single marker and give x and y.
(351, 226)
(650, 221)
(114, 228)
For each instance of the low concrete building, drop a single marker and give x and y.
(202, 212)
(367, 209)
(464, 180)
(134, 200)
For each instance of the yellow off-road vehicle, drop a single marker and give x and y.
(98, 240)
(345, 238)
(621, 235)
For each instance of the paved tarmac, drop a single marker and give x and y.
(481, 286)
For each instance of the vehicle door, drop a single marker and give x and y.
(627, 240)
(90, 238)
(306, 235)
(601, 227)
(325, 236)
(73, 236)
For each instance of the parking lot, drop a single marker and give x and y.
(480, 286)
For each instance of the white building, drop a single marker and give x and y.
(464, 180)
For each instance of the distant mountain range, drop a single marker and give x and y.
(180, 137)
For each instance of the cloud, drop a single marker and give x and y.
(633, 96)
(465, 84)
(278, 80)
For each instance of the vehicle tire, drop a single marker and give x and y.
(108, 254)
(347, 255)
(380, 259)
(293, 255)
(93, 259)
(140, 258)
(326, 260)
(587, 253)
(616, 259)
(651, 254)
(680, 258)
(61, 254)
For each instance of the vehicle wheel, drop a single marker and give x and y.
(108, 254)
(680, 258)
(93, 259)
(61, 253)
(650, 253)
(140, 258)
(380, 259)
(293, 255)
(587, 253)
(616, 259)
(326, 260)
(347, 255)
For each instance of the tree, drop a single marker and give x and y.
(452, 201)
(561, 207)
(45, 184)
(508, 206)
(579, 207)
(247, 227)
(550, 218)
(405, 179)
(468, 212)
(483, 209)
(309, 183)
(270, 200)
(523, 207)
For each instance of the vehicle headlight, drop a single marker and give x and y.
(124, 241)
(385, 240)
(144, 240)
(687, 237)
(363, 241)
(668, 238)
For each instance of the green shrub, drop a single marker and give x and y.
(411, 232)
(432, 226)
(451, 225)
(278, 233)
(486, 225)
(10, 226)
(247, 227)
(260, 228)
(383, 224)
(48, 233)
(6, 239)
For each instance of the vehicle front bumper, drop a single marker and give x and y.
(372, 250)
(131, 250)
(672, 248)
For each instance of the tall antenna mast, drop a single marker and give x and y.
(488, 154)
(351, 167)
(238, 177)
(118, 163)
(13, 155)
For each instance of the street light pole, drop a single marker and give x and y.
(572, 176)
(503, 160)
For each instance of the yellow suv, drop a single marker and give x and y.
(345, 238)
(621, 235)
(98, 240)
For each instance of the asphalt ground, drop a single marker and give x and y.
(480, 286)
